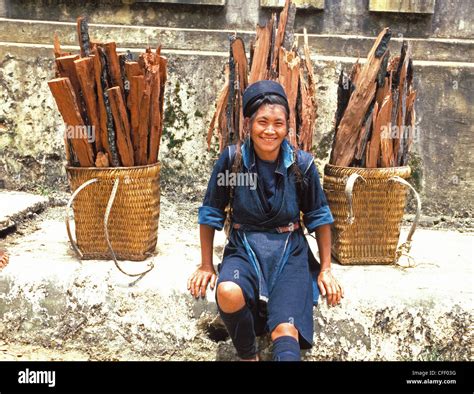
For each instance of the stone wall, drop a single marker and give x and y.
(31, 152)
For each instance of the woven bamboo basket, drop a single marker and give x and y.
(368, 206)
(116, 211)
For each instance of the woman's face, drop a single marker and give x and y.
(269, 128)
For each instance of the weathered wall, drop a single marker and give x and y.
(31, 150)
(451, 18)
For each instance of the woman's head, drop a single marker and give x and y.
(266, 113)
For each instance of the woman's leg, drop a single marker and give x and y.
(285, 343)
(234, 287)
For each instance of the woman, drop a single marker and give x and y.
(269, 279)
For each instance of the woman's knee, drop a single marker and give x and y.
(285, 329)
(230, 297)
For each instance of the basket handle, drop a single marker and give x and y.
(106, 231)
(406, 246)
(348, 190)
(68, 209)
(106, 220)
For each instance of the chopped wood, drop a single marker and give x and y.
(351, 122)
(141, 155)
(137, 83)
(384, 130)
(101, 110)
(260, 57)
(111, 141)
(66, 69)
(155, 116)
(280, 36)
(113, 65)
(122, 127)
(86, 77)
(218, 120)
(63, 93)
(83, 36)
(288, 78)
(240, 58)
(289, 33)
(102, 160)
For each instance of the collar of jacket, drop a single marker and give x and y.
(286, 152)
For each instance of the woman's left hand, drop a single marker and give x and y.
(328, 285)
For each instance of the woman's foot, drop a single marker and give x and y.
(3, 259)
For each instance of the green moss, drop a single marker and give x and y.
(416, 164)
(198, 114)
(321, 151)
(175, 119)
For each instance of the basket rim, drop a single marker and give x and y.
(71, 168)
(399, 168)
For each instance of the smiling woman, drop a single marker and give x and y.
(269, 279)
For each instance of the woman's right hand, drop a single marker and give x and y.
(198, 281)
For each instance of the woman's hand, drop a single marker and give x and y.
(198, 281)
(329, 285)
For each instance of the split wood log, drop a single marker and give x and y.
(102, 160)
(259, 67)
(141, 155)
(122, 127)
(113, 65)
(101, 110)
(86, 77)
(65, 98)
(83, 36)
(155, 115)
(288, 78)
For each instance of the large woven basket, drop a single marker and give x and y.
(368, 206)
(116, 211)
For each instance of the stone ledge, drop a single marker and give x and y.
(48, 298)
(42, 32)
(17, 206)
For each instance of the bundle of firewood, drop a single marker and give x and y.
(375, 117)
(112, 105)
(274, 55)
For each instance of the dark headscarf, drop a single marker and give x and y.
(263, 92)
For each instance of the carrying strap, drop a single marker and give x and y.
(106, 221)
(404, 248)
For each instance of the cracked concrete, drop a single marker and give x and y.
(63, 308)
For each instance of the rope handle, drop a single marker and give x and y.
(404, 249)
(106, 221)
(348, 190)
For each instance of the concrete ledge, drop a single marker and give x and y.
(16, 206)
(42, 32)
(49, 298)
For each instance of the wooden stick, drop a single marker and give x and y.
(122, 127)
(63, 93)
(258, 70)
(134, 99)
(83, 36)
(155, 116)
(101, 110)
(288, 78)
(66, 69)
(142, 154)
(113, 65)
(86, 77)
(240, 58)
